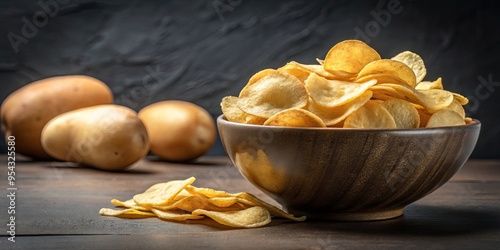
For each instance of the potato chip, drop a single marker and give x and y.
(335, 115)
(257, 76)
(250, 199)
(230, 109)
(248, 218)
(432, 99)
(391, 67)
(437, 84)
(295, 118)
(435, 99)
(296, 70)
(423, 114)
(404, 113)
(460, 98)
(129, 204)
(349, 56)
(382, 78)
(161, 193)
(330, 75)
(271, 94)
(445, 117)
(457, 107)
(370, 115)
(333, 93)
(223, 201)
(126, 213)
(413, 61)
(175, 215)
(468, 120)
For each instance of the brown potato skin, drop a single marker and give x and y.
(178, 131)
(109, 137)
(25, 112)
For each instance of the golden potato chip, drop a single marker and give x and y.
(391, 67)
(248, 218)
(296, 70)
(320, 61)
(435, 99)
(126, 213)
(335, 115)
(129, 204)
(413, 61)
(332, 93)
(437, 84)
(460, 98)
(250, 199)
(432, 99)
(230, 109)
(424, 116)
(349, 56)
(295, 118)
(223, 201)
(207, 192)
(445, 117)
(457, 107)
(404, 113)
(271, 94)
(330, 75)
(370, 115)
(175, 215)
(382, 78)
(468, 120)
(161, 193)
(257, 76)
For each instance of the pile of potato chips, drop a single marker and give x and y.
(179, 201)
(353, 87)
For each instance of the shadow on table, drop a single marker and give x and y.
(424, 220)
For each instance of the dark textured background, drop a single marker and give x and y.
(200, 51)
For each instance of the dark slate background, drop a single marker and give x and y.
(200, 51)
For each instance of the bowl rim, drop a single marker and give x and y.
(475, 123)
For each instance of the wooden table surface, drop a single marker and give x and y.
(57, 204)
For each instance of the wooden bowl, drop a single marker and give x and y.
(347, 174)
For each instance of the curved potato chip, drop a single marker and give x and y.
(468, 120)
(382, 78)
(391, 67)
(248, 218)
(175, 215)
(257, 76)
(295, 118)
(404, 113)
(230, 109)
(460, 98)
(445, 117)
(332, 93)
(457, 107)
(319, 70)
(370, 115)
(252, 200)
(335, 115)
(413, 61)
(431, 99)
(435, 99)
(349, 56)
(271, 94)
(161, 193)
(129, 204)
(294, 69)
(437, 84)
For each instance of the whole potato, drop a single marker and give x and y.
(178, 130)
(109, 137)
(25, 112)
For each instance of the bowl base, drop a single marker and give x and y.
(359, 216)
